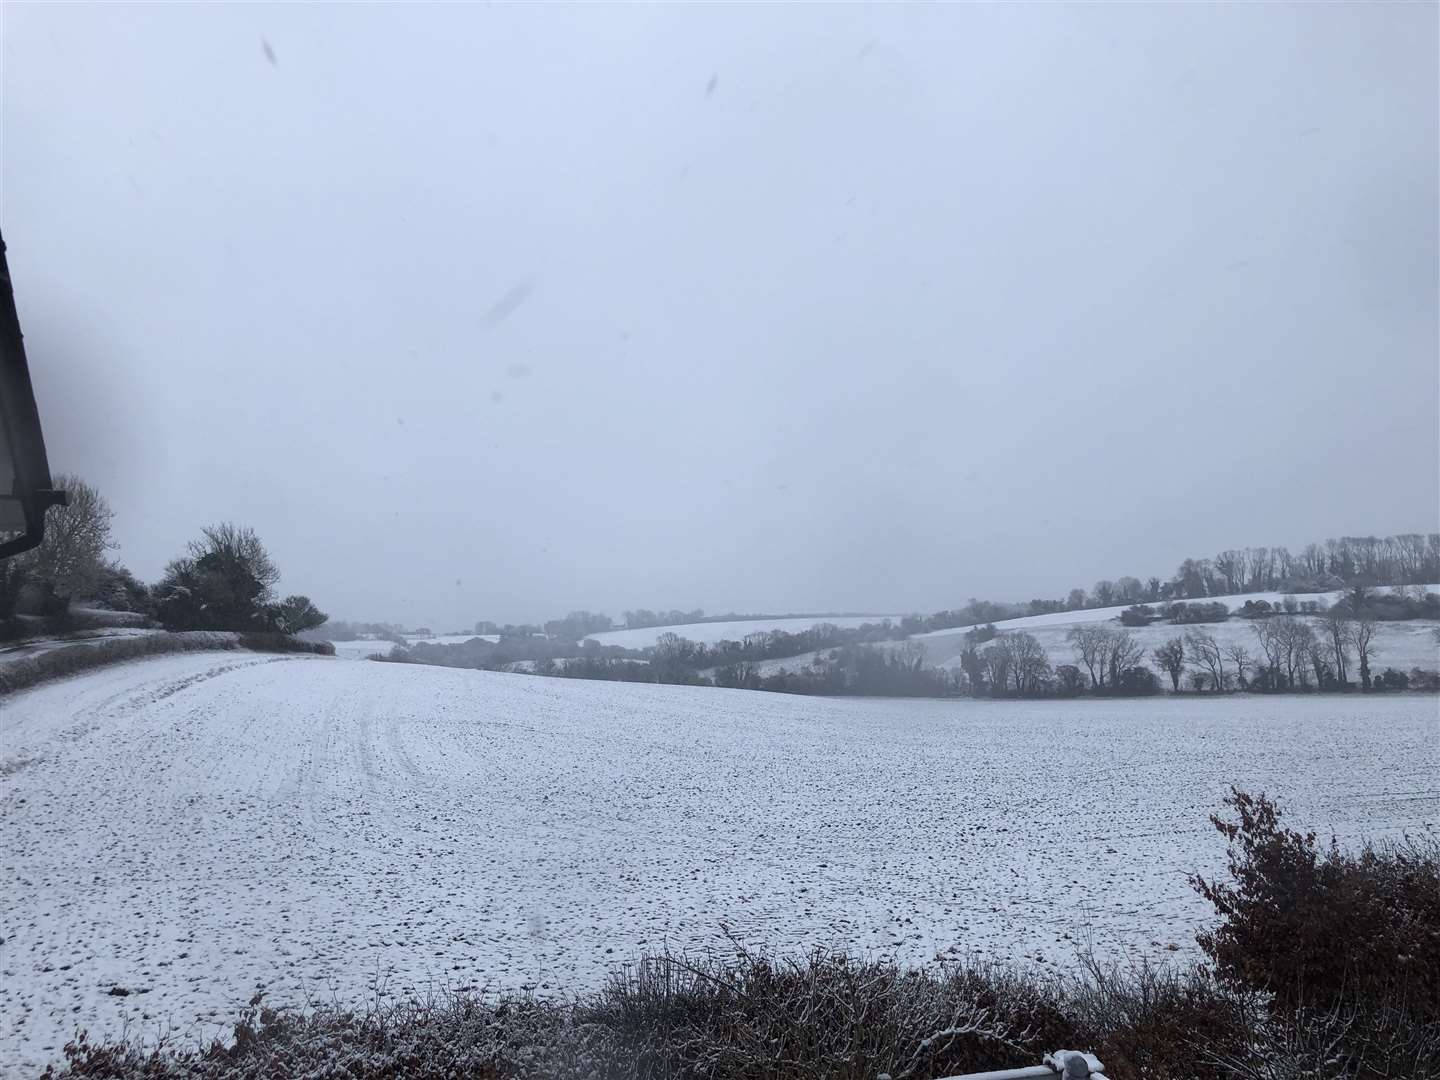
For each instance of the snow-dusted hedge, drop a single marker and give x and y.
(750, 1017)
(82, 656)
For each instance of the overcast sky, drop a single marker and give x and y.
(496, 312)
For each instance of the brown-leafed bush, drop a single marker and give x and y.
(1319, 925)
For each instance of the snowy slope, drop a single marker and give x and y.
(711, 632)
(361, 650)
(1401, 645)
(198, 826)
(448, 639)
(1088, 615)
(364, 649)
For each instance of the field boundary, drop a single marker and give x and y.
(83, 656)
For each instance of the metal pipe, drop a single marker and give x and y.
(1061, 1065)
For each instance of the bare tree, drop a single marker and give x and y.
(1318, 654)
(1122, 651)
(1090, 640)
(71, 558)
(1286, 641)
(1129, 590)
(1339, 630)
(1361, 637)
(1238, 655)
(1297, 638)
(1205, 653)
(1271, 647)
(1103, 593)
(1171, 658)
(1025, 661)
(1229, 567)
(997, 666)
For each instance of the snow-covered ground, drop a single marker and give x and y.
(448, 639)
(361, 650)
(364, 649)
(195, 827)
(1400, 645)
(711, 632)
(1088, 615)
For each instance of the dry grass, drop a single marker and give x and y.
(750, 1017)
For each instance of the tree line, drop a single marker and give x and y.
(1294, 650)
(1293, 653)
(1403, 559)
(224, 579)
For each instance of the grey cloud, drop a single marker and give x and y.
(950, 301)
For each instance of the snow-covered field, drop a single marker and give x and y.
(361, 650)
(448, 639)
(1088, 615)
(1401, 645)
(195, 827)
(711, 632)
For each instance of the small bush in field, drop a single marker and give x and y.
(1317, 925)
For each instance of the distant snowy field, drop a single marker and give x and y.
(1399, 645)
(711, 632)
(448, 639)
(1088, 615)
(195, 827)
(1402, 645)
(363, 650)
